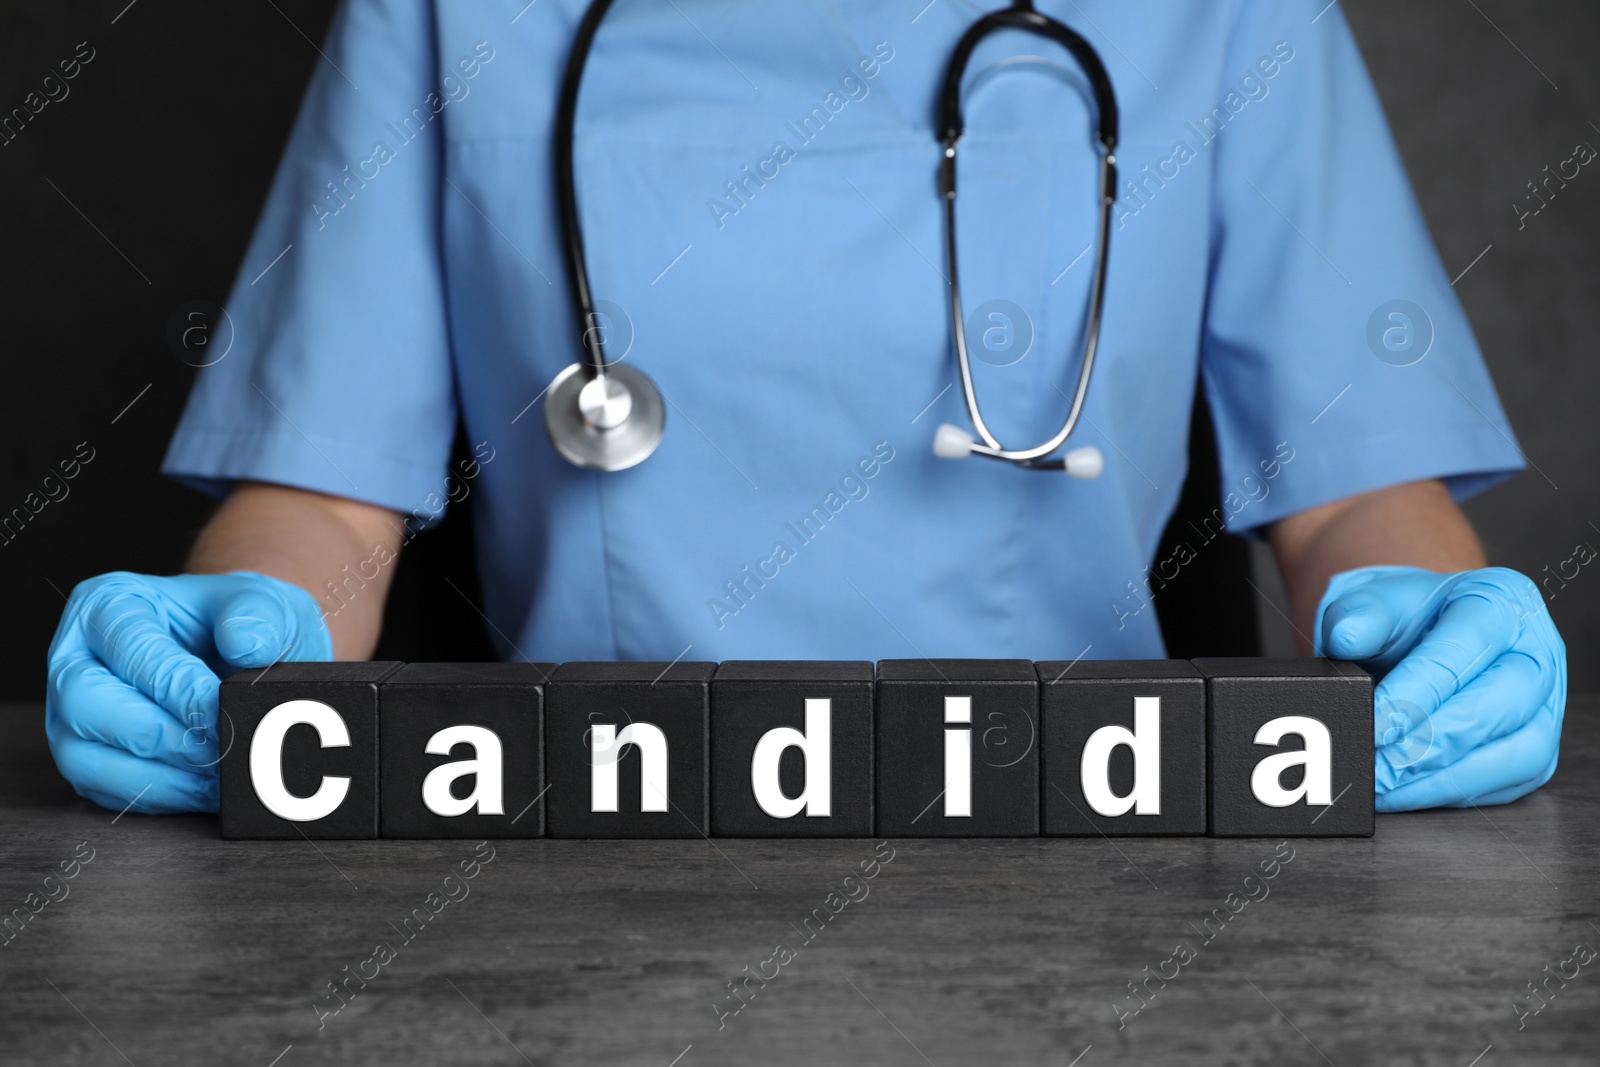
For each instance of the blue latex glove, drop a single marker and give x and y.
(131, 709)
(1474, 680)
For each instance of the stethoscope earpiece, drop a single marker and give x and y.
(952, 442)
(1085, 462)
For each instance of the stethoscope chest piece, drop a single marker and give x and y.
(606, 422)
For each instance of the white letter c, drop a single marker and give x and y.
(266, 760)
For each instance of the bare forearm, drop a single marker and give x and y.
(340, 551)
(1416, 524)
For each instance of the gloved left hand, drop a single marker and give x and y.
(1473, 680)
(131, 708)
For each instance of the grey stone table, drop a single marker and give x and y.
(170, 946)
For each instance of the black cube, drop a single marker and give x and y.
(957, 750)
(461, 750)
(791, 749)
(1291, 747)
(613, 732)
(1124, 749)
(300, 751)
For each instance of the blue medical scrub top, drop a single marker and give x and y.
(757, 187)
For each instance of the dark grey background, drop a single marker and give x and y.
(135, 195)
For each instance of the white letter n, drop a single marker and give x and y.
(606, 746)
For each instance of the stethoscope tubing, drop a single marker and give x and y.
(589, 443)
(593, 340)
(952, 125)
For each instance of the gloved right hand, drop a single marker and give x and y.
(131, 709)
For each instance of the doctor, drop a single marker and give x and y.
(757, 186)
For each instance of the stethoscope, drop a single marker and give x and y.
(612, 416)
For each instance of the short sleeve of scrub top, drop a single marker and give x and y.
(1332, 332)
(337, 376)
